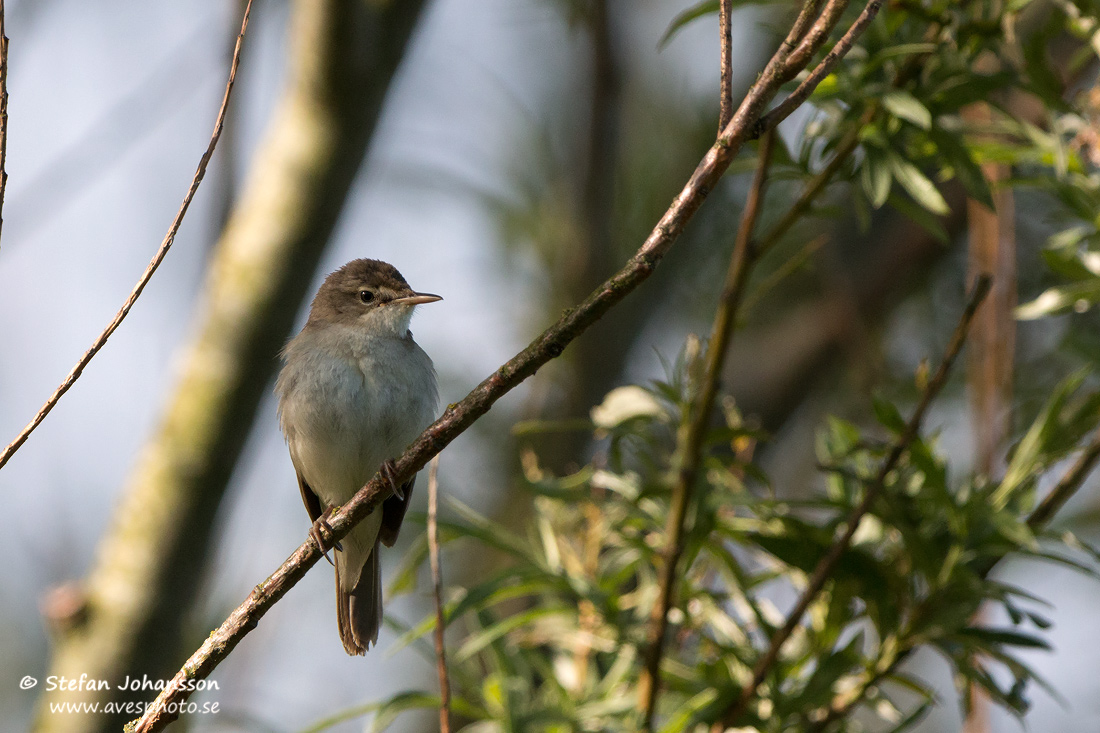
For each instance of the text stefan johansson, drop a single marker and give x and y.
(54, 682)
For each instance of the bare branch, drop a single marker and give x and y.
(437, 594)
(725, 99)
(165, 245)
(693, 434)
(813, 39)
(460, 416)
(3, 116)
(829, 561)
(806, 17)
(1067, 486)
(842, 47)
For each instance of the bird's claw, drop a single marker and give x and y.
(319, 530)
(389, 472)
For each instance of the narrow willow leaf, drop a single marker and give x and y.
(687, 711)
(476, 642)
(902, 104)
(918, 185)
(1028, 454)
(966, 168)
(705, 7)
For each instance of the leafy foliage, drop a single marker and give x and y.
(551, 640)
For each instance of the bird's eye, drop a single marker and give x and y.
(366, 296)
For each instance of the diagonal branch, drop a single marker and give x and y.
(460, 416)
(165, 245)
(1067, 486)
(825, 567)
(693, 433)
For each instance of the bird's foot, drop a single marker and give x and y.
(388, 469)
(320, 531)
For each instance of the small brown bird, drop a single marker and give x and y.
(354, 391)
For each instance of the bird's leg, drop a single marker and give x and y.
(319, 530)
(388, 469)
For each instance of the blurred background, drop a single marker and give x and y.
(507, 154)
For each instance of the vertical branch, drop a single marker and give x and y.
(437, 593)
(694, 432)
(825, 567)
(162, 251)
(725, 109)
(992, 249)
(3, 113)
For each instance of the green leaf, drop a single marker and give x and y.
(1077, 296)
(987, 637)
(705, 7)
(888, 416)
(819, 688)
(1027, 458)
(901, 103)
(923, 191)
(966, 168)
(686, 711)
(1066, 264)
(916, 716)
(875, 176)
(476, 642)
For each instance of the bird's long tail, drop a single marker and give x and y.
(359, 612)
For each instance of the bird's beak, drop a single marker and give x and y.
(417, 299)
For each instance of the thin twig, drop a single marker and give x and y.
(816, 185)
(165, 245)
(725, 99)
(1067, 486)
(460, 416)
(844, 149)
(825, 567)
(806, 16)
(3, 116)
(693, 433)
(803, 91)
(437, 593)
(816, 35)
(785, 270)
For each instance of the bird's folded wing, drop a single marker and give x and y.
(310, 499)
(393, 513)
